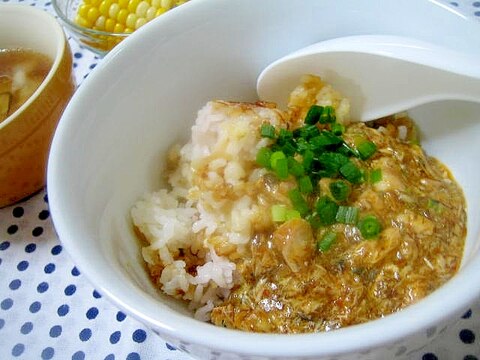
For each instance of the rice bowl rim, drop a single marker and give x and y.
(438, 306)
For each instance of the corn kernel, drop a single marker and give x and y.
(150, 15)
(93, 14)
(83, 10)
(122, 16)
(131, 20)
(167, 4)
(140, 22)
(113, 11)
(128, 30)
(123, 4)
(104, 7)
(119, 28)
(109, 25)
(100, 23)
(160, 12)
(132, 5)
(82, 21)
(142, 9)
(157, 3)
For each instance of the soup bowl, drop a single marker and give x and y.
(25, 136)
(110, 147)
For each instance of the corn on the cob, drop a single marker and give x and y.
(121, 16)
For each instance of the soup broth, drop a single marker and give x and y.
(21, 73)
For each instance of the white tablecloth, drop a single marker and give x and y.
(48, 310)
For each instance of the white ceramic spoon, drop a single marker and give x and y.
(380, 74)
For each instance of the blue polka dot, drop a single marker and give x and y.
(115, 337)
(18, 350)
(12, 229)
(22, 265)
(57, 249)
(467, 336)
(4, 245)
(476, 4)
(75, 271)
(92, 66)
(85, 334)
(63, 310)
(476, 13)
(30, 248)
(467, 314)
(35, 307)
(77, 55)
(110, 357)
(96, 294)
(55, 331)
(92, 313)
(139, 335)
(133, 356)
(48, 353)
(0, 261)
(6, 304)
(2, 323)
(121, 316)
(26, 328)
(79, 355)
(170, 347)
(49, 268)
(42, 287)
(70, 290)
(15, 284)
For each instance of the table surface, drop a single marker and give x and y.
(48, 310)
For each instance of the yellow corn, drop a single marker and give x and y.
(121, 16)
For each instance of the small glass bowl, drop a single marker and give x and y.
(100, 42)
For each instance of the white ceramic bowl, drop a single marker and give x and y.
(111, 141)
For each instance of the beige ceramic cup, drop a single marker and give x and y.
(25, 136)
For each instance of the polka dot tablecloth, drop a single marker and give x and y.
(48, 310)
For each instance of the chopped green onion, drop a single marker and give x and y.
(324, 139)
(326, 242)
(289, 148)
(268, 131)
(370, 227)
(337, 129)
(340, 190)
(275, 157)
(306, 132)
(375, 175)
(281, 168)
(366, 149)
(351, 172)
(263, 157)
(292, 214)
(298, 201)
(314, 220)
(279, 213)
(284, 136)
(307, 160)
(294, 167)
(328, 115)
(332, 162)
(326, 210)
(305, 185)
(347, 215)
(313, 114)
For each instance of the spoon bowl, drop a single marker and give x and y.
(380, 74)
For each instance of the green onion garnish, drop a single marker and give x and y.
(298, 202)
(375, 176)
(279, 212)
(277, 155)
(328, 115)
(326, 210)
(305, 185)
(281, 168)
(307, 160)
(326, 242)
(347, 215)
(268, 131)
(313, 114)
(339, 190)
(337, 129)
(370, 227)
(366, 149)
(263, 157)
(351, 172)
(294, 167)
(292, 214)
